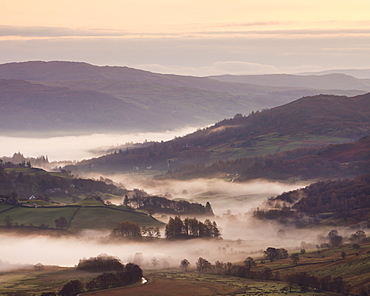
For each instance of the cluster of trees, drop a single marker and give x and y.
(126, 229)
(280, 213)
(358, 237)
(303, 279)
(191, 228)
(228, 268)
(340, 197)
(127, 275)
(333, 239)
(130, 274)
(132, 230)
(344, 198)
(273, 254)
(100, 263)
(142, 201)
(61, 223)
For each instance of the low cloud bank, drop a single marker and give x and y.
(79, 147)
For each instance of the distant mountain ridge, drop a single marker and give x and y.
(358, 73)
(83, 98)
(31, 107)
(325, 81)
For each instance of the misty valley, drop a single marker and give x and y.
(106, 187)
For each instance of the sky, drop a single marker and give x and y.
(189, 37)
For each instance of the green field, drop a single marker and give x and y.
(88, 214)
(36, 216)
(107, 218)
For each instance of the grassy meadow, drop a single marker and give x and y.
(86, 214)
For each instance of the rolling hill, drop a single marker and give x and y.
(70, 97)
(310, 121)
(28, 108)
(358, 73)
(32, 199)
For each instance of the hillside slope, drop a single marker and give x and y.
(30, 107)
(344, 202)
(310, 121)
(333, 161)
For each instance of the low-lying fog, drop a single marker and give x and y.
(67, 251)
(79, 147)
(223, 195)
(232, 204)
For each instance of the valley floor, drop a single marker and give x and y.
(343, 261)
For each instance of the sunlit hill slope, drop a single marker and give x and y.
(307, 122)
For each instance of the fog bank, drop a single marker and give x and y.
(79, 147)
(66, 251)
(223, 195)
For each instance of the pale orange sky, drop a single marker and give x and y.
(174, 16)
(338, 27)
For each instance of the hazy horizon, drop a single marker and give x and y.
(190, 37)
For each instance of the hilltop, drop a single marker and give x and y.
(70, 97)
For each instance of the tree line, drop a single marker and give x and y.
(132, 230)
(115, 275)
(303, 279)
(140, 200)
(176, 228)
(18, 160)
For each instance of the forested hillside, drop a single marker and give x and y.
(307, 122)
(333, 161)
(340, 202)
